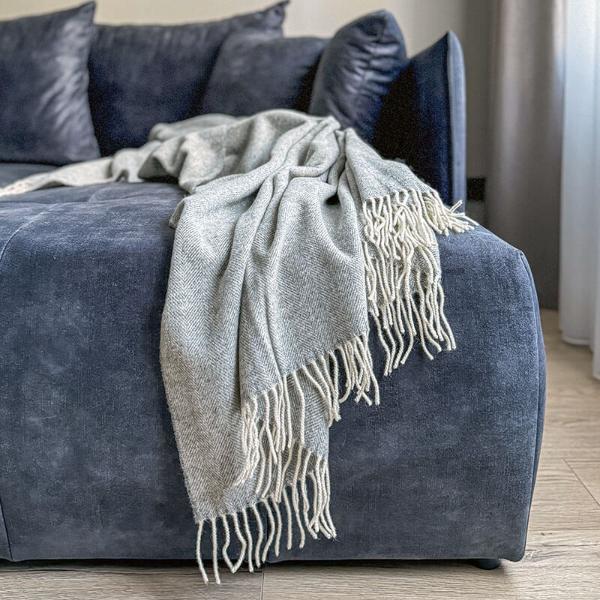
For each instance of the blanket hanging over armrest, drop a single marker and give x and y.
(293, 232)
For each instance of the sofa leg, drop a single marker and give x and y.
(487, 563)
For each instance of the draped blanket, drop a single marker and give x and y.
(292, 234)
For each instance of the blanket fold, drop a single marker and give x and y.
(294, 235)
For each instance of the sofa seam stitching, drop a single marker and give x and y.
(24, 226)
(450, 128)
(8, 544)
(2, 254)
(539, 386)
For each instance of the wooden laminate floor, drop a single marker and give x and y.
(563, 550)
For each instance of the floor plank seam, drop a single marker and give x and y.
(581, 481)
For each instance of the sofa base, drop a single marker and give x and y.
(488, 564)
(89, 469)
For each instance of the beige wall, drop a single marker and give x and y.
(422, 21)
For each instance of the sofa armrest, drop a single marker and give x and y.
(424, 121)
(449, 458)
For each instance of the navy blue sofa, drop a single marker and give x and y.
(443, 469)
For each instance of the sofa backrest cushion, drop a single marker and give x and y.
(141, 75)
(259, 71)
(44, 110)
(423, 120)
(357, 70)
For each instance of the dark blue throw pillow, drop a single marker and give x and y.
(259, 71)
(44, 109)
(357, 70)
(141, 75)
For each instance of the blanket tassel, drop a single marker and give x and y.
(402, 271)
(406, 301)
(308, 513)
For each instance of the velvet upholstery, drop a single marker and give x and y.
(44, 110)
(246, 79)
(357, 70)
(10, 172)
(423, 120)
(444, 468)
(141, 75)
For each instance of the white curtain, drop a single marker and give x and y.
(579, 301)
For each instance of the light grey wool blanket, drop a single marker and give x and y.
(293, 232)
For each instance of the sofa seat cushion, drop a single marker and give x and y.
(10, 172)
(444, 468)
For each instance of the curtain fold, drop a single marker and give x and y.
(580, 247)
(523, 198)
